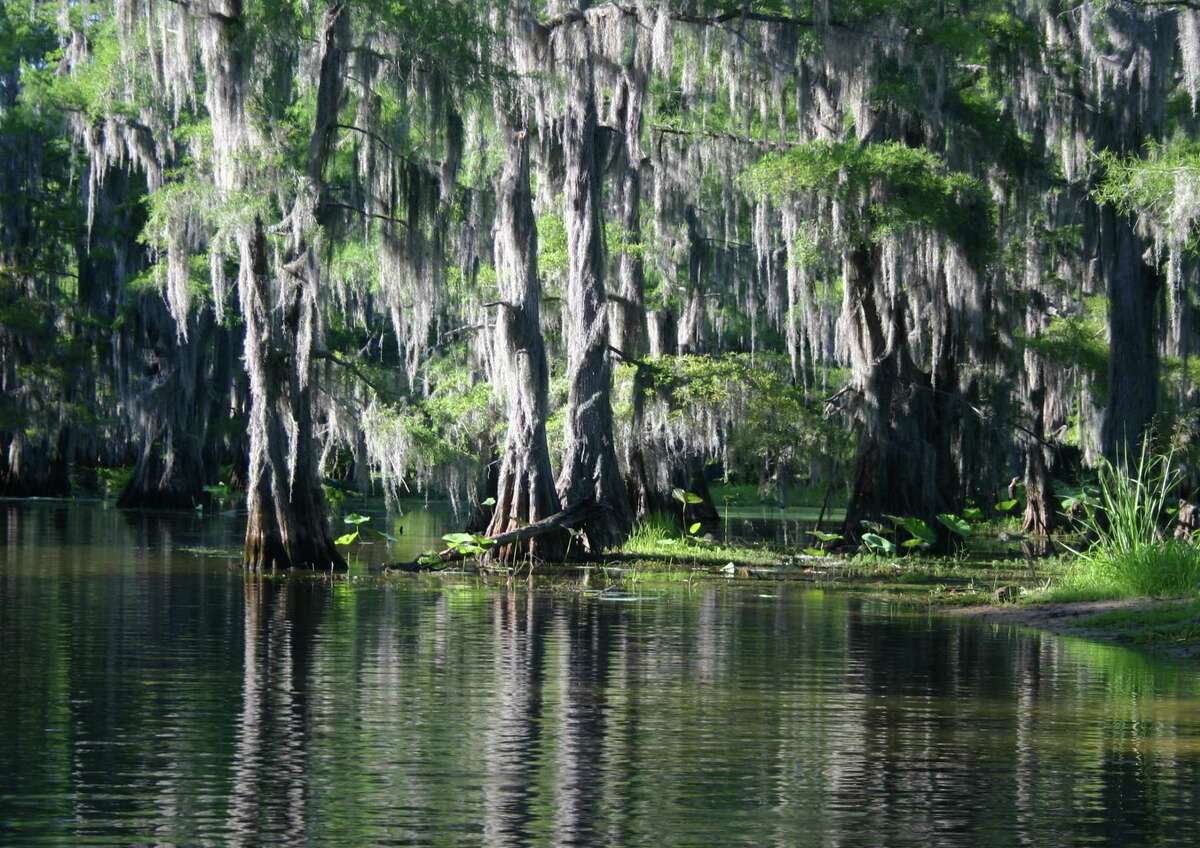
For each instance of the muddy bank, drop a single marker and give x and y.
(1096, 620)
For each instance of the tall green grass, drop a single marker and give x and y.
(1131, 555)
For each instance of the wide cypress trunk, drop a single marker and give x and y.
(903, 464)
(286, 524)
(1133, 388)
(525, 492)
(590, 471)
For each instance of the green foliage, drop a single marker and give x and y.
(770, 419)
(893, 187)
(1129, 555)
(878, 544)
(221, 493)
(113, 481)
(922, 533)
(356, 521)
(1078, 340)
(468, 544)
(1161, 187)
(955, 524)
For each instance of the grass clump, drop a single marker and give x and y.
(1130, 557)
(658, 537)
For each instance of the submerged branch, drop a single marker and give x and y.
(568, 518)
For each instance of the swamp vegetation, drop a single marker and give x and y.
(894, 294)
(929, 269)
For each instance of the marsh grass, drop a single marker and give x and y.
(657, 538)
(1129, 556)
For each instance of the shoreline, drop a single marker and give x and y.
(1170, 626)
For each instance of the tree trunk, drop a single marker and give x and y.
(1133, 348)
(590, 471)
(525, 492)
(287, 524)
(1040, 515)
(692, 338)
(172, 411)
(902, 465)
(629, 312)
(33, 468)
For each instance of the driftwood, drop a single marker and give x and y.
(1188, 520)
(572, 516)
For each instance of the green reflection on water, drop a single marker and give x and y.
(155, 697)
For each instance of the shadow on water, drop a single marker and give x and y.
(154, 697)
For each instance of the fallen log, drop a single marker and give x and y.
(572, 516)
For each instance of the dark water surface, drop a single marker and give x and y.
(150, 696)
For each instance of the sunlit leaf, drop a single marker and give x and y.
(955, 524)
(921, 532)
(878, 544)
(826, 537)
(348, 539)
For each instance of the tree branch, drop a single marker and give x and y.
(572, 516)
(364, 212)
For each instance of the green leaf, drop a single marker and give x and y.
(387, 536)
(458, 538)
(955, 524)
(912, 543)
(878, 544)
(973, 513)
(355, 518)
(488, 502)
(695, 528)
(668, 542)
(348, 539)
(679, 495)
(1006, 506)
(826, 537)
(919, 530)
(815, 552)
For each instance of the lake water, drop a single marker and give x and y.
(155, 696)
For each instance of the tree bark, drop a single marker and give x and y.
(590, 471)
(288, 518)
(692, 338)
(175, 410)
(1133, 372)
(287, 525)
(525, 492)
(1040, 515)
(902, 465)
